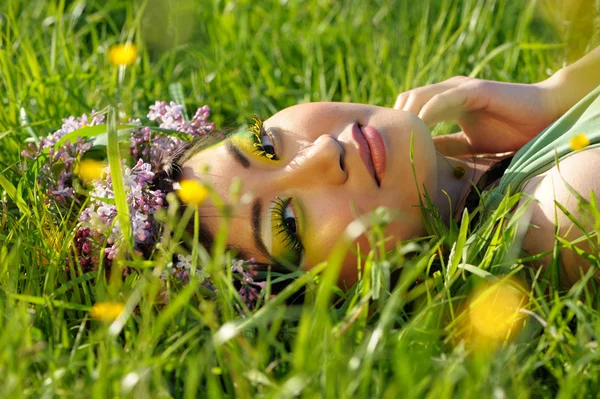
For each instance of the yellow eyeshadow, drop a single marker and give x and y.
(280, 249)
(300, 219)
(215, 145)
(245, 140)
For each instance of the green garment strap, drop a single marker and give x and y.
(540, 154)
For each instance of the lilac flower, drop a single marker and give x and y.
(57, 172)
(149, 146)
(99, 234)
(246, 271)
(182, 271)
(184, 262)
(143, 202)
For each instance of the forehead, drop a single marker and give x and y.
(212, 165)
(217, 168)
(301, 113)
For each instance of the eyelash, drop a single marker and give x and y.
(258, 131)
(290, 240)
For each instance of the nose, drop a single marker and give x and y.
(320, 162)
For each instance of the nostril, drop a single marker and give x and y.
(342, 156)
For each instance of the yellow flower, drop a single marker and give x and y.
(90, 169)
(191, 192)
(493, 314)
(106, 311)
(579, 142)
(123, 54)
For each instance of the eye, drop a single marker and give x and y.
(264, 142)
(268, 146)
(289, 220)
(285, 231)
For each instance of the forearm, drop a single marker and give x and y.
(570, 84)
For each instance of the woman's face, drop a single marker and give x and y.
(314, 169)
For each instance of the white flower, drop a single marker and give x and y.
(140, 226)
(184, 261)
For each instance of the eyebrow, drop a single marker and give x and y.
(256, 231)
(237, 154)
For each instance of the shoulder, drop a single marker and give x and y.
(568, 184)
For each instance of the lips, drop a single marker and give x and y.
(371, 149)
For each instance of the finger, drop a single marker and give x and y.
(417, 98)
(401, 100)
(453, 145)
(449, 105)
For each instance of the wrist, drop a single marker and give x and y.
(572, 83)
(555, 94)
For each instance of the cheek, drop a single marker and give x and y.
(349, 269)
(328, 221)
(325, 234)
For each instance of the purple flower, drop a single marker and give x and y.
(246, 271)
(99, 234)
(149, 146)
(143, 201)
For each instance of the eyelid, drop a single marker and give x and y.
(300, 214)
(244, 141)
(275, 135)
(267, 230)
(267, 227)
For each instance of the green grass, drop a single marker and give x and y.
(249, 57)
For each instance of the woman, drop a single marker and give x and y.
(311, 169)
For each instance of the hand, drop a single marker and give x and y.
(495, 117)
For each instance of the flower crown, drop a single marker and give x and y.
(67, 167)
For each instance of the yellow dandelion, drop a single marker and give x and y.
(493, 314)
(123, 54)
(106, 311)
(579, 142)
(191, 192)
(90, 170)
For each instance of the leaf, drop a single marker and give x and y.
(73, 283)
(571, 245)
(498, 50)
(376, 278)
(457, 250)
(115, 164)
(478, 271)
(38, 300)
(541, 46)
(176, 92)
(8, 187)
(101, 137)
(571, 217)
(26, 124)
(14, 194)
(84, 132)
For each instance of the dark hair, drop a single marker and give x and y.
(170, 168)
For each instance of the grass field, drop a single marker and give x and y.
(244, 57)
